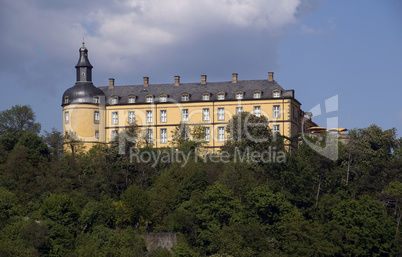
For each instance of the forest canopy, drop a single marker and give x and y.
(60, 200)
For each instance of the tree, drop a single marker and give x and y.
(18, 118)
(54, 141)
(248, 131)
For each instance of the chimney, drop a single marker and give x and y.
(176, 80)
(234, 77)
(203, 79)
(111, 83)
(270, 76)
(146, 81)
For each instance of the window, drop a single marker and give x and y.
(186, 133)
(66, 100)
(277, 113)
(131, 99)
(163, 98)
(257, 94)
(221, 134)
(221, 96)
(115, 100)
(205, 96)
(96, 99)
(205, 114)
(257, 111)
(239, 95)
(163, 136)
(221, 113)
(185, 97)
(277, 94)
(149, 99)
(150, 136)
(115, 118)
(96, 117)
(149, 117)
(66, 116)
(131, 117)
(163, 116)
(97, 134)
(184, 115)
(207, 134)
(276, 128)
(239, 110)
(114, 134)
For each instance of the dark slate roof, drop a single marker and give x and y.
(195, 90)
(83, 61)
(82, 92)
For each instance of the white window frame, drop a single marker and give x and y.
(163, 98)
(97, 134)
(66, 100)
(239, 110)
(184, 115)
(257, 94)
(150, 136)
(205, 114)
(131, 99)
(221, 113)
(163, 136)
(67, 117)
(277, 111)
(149, 116)
(115, 118)
(257, 111)
(221, 96)
(276, 94)
(276, 129)
(221, 134)
(239, 95)
(205, 96)
(96, 99)
(96, 117)
(115, 100)
(207, 132)
(114, 133)
(163, 114)
(149, 99)
(131, 117)
(185, 97)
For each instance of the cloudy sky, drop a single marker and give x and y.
(320, 48)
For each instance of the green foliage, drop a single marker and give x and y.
(18, 118)
(98, 202)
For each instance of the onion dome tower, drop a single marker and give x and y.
(84, 104)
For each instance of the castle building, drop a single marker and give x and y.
(97, 114)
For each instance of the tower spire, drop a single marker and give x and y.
(84, 67)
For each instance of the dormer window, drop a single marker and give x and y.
(239, 95)
(96, 99)
(115, 100)
(131, 99)
(257, 94)
(66, 100)
(206, 96)
(221, 96)
(185, 97)
(149, 99)
(276, 93)
(163, 98)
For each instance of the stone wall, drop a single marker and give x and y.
(163, 240)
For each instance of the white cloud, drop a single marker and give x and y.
(124, 32)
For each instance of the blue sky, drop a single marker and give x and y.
(319, 48)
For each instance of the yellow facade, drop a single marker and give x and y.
(81, 119)
(96, 114)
